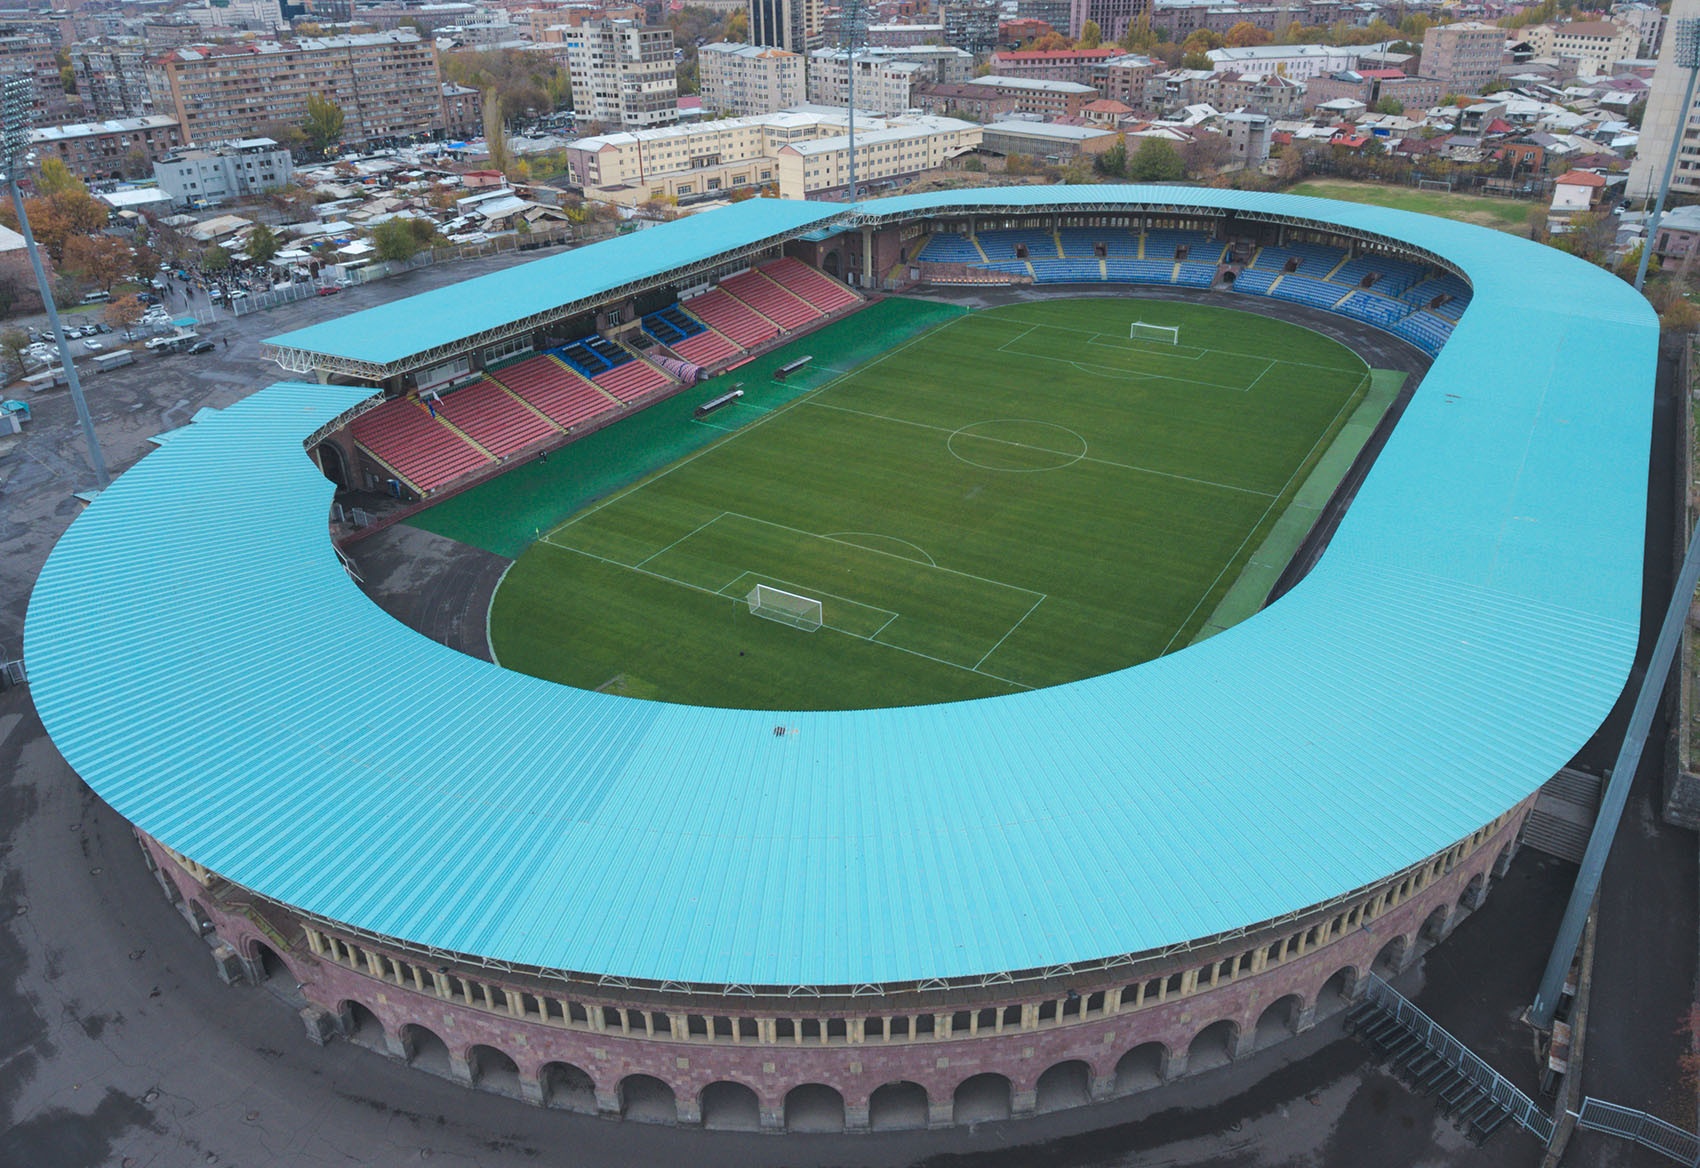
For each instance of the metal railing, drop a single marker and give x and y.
(1647, 1130)
(1518, 1106)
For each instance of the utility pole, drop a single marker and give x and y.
(17, 92)
(1685, 55)
(853, 13)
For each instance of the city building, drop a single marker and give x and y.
(1046, 99)
(1595, 45)
(970, 25)
(1248, 140)
(623, 74)
(959, 99)
(1111, 16)
(712, 158)
(1373, 86)
(1267, 93)
(1294, 62)
(1660, 121)
(1648, 23)
(30, 50)
(1075, 65)
(1054, 13)
(387, 85)
(112, 77)
(793, 25)
(886, 78)
(1463, 57)
(899, 36)
(750, 79)
(463, 111)
(1124, 77)
(203, 178)
(114, 148)
(1047, 140)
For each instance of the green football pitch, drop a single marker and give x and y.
(1013, 498)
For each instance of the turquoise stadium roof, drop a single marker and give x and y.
(225, 686)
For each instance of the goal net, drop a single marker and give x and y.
(788, 608)
(1167, 334)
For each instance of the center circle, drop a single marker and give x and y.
(1016, 444)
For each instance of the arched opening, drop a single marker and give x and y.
(1213, 1046)
(1336, 993)
(1141, 1068)
(567, 1087)
(1502, 862)
(814, 1107)
(198, 916)
(1437, 924)
(1474, 893)
(829, 265)
(425, 1049)
(980, 1098)
(267, 964)
(898, 1106)
(1279, 1021)
(1391, 959)
(730, 1107)
(493, 1071)
(646, 1099)
(364, 1028)
(1063, 1086)
(1229, 276)
(331, 463)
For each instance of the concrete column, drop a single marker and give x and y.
(395, 1046)
(1174, 1066)
(1030, 1015)
(941, 1026)
(315, 942)
(681, 1030)
(940, 1112)
(1501, 868)
(459, 1069)
(345, 1020)
(1245, 1040)
(1113, 1000)
(773, 1117)
(1023, 1102)
(531, 1087)
(1475, 900)
(1305, 1020)
(856, 1116)
(1102, 1087)
(320, 1024)
(689, 1107)
(858, 1031)
(607, 1101)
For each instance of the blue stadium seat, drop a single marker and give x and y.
(950, 248)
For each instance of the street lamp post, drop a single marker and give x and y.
(16, 94)
(1685, 54)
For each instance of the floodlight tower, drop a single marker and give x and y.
(852, 15)
(1685, 54)
(17, 92)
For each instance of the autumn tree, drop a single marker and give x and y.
(215, 259)
(1112, 163)
(13, 341)
(100, 260)
(323, 123)
(1204, 154)
(1140, 37)
(1052, 42)
(395, 240)
(1202, 40)
(1091, 35)
(496, 133)
(1156, 160)
(737, 30)
(1246, 34)
(62, 209)
(123, 313)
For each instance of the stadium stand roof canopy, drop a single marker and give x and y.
(1467, 629)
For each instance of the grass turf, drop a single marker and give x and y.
(1018, 498)
(1482, 210)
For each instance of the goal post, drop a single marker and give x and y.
(1167, 334)
(788, 608)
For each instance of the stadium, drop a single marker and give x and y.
(1064, 880)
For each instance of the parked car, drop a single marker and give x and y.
(103, 328)
(202, 347)
(239, 294)
(93, 346)
(328, 290)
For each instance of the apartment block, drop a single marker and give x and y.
(26, 49)
(1294, 62)
(623, 74)
(463, 111)
(750, 79)
(886, 78)
(1111, 16)
(1463, 57)
(793, 25)
(1045, 99)
(113, 148)
(112, 77)
(386, 83)
(1077, 65)
(1595, 45)
(202, 178)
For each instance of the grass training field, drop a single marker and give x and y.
(1015, 498)
(1482, 210)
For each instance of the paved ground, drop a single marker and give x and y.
(119, 1047)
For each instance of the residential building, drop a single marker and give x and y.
(463, 111)
(886, 78)
(27, 50)
(623, 74)
(1055, 13)
(1659, 124)
(551, 21)
(1184, 17)
(112, 77)
(1294, 62)
(899, 36)
(970, 25)
(115, 148)
(1266, 94)
(1576, 191)
(1050, 141)
(1075, 65)
(1124, 78)
(200, 178)
(804, 152)
(1248, 140)
(1012, 33)
(1373, 86)
(1595, 45)
(1678, 237)
(1648, 23)
(959, 99)
(387, 85)
(1463, 57)
(750, 79)
(1111, 16)
(792, 25)
(1046, 99)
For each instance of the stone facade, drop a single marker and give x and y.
(922, 1055)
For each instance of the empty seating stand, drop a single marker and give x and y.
(1313, 259)
(1392, 276)
(1254, 280)
(1304, 290)
(816, 287)
(583, 358)
(1162, 243)
(784, 308)
(669, 326)
(1069, 270)
(950, 248)
(1083, 243)
(1140, 271)
(494, 418)
(421, 449)
(1005, 245)
(559, 392)
(733, 318)
(1373, 308)
(1423, 329)
(630, 378)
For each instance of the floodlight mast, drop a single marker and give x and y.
(1685, 55)
(855, 10)
(17, 92)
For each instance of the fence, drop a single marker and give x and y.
(1646, 1130)
(1518, 1106)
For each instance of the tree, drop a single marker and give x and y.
(1140, 37)
(1205, 154)
(13, 340)
(496, 134)
(55, 178)
(1156, 160)
(395, 240)
(1112, 163)
(1091, 35)
(737, 29)
(1052, 42)
(1536, 222)
(323, 124)
(1201, 41)
(1390, 105)
(1078, 172)
(215, 259)
(1195, 61)
(1681, 317)
(101, 260)
(1636, 112)
(123, 313)
(262, 244)
(286, 134)
(1625, 268)
(68, 211)
(1246, 34)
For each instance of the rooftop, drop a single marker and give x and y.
(1031, 84)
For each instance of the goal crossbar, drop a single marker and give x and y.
(1169, 334)
(788, 608)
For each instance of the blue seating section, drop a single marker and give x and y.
(1000, 245)
(1381, 311)
(1424, 330)
(1253, 280)
(1018, 267)
(670, 325)
(1314, 259)
(1396, 274)
(593, 355)
(1445, 284)
(1069, 270)
(1303, 290)
(1141, 271)
(1078, 242)
(1452, 309)
(1160, 244)
(1196, 275)
(950, 249)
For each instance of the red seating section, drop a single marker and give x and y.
(818, 289)
(494, 418)
(785, 309)
(558, 391)
(706, 348)
(632, 380)
(732, 317)
(420, 448)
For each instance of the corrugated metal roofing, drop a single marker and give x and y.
(402, 328)
(1466, 631)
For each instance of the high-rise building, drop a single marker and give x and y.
(1465, 57)
(971, 25)
(750, 79)
(886, 78)
(1660, 121)
(26, 49)
(115, 148)
(387, 85)
(792, 25)
(1111, 16)
(202, 178)
(623, 74)
(112, 77)
(1595, 45)
(1648, 23)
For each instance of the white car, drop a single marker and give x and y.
(93, 346)
(238, 295)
